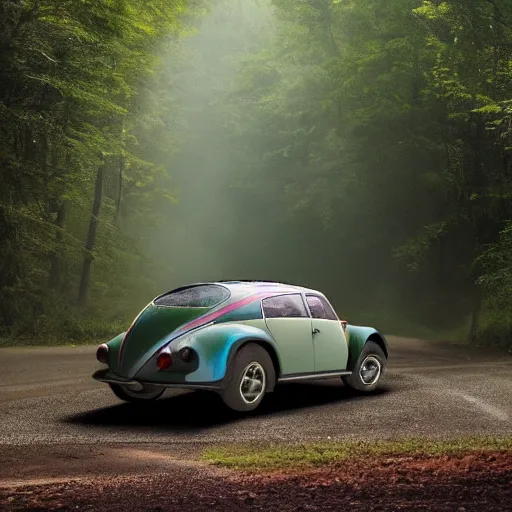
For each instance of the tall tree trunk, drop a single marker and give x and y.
(119, 190)
(91, 237)
(56, 267)
(55, 275)
(11, 12)
(475, 315)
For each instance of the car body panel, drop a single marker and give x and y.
(215, 333)
(251, 311)
(357, 337)
(114, 346)
(295, 343)
(213, 345)
(151, 329)
(330, 345)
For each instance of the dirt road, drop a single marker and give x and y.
(55, 421)
(57, 424)
(432, 389)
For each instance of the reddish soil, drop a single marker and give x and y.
(476, 482)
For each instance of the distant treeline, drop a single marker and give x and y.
(389, 126)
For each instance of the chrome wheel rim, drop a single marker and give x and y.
(253, 382)
(370, 370)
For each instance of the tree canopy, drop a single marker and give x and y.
(363, 148)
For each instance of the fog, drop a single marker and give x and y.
(235, 217)
(358, 148)
(208, 230)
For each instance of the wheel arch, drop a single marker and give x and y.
(268, 347)
(377, 338)
(358, 337)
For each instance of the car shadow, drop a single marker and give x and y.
(203, 410)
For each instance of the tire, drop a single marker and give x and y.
(148, 394)
(254, 362)
(371, 357)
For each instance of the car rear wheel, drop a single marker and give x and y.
(129, 394)
(369, 369)
(252, 373)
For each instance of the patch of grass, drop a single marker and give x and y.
(317, 454)
(50, 341)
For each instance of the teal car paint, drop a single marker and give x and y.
(215, 344)
(151, 331)
(238, 338)
(357, 337)
(113, 354)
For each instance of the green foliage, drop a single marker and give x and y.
(73, 98)
(334, 453)
(385, 128)
(362, 148)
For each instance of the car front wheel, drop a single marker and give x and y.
(252, 373)
(128, 394)
(368, 370)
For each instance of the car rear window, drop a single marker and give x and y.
(203, 296)
(284, 306)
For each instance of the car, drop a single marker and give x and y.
(239, 339)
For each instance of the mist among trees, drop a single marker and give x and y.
(361, 148)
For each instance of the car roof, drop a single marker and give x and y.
(243, 288)
(245, 285)
(276, 286)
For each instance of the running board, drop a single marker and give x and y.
(313, 376)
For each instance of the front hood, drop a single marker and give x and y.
(152, 328)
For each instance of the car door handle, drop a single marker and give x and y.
(316, 331)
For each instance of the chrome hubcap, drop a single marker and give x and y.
(253, 382)
(370, 370)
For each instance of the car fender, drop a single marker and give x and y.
(358, 337)
(114, 346)
(217, 345)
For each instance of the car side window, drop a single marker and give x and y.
(320, 308)
(284, 306)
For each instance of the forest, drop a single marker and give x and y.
(363, 148)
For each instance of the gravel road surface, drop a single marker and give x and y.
(432, 389)
(57, 423)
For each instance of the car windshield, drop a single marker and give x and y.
(202, 296)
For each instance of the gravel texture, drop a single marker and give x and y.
(473, 482)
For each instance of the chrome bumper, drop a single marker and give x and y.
(111, 378)
(108, 377)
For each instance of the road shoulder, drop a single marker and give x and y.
(465, 482)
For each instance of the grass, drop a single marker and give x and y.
(50, 341)
(73, 332)
(328, 453)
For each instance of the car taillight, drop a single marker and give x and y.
(164, 360)
(102, 353)
(344, 324)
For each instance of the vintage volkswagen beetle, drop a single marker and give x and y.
(239, 339)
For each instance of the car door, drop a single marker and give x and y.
(329, 342)
(288, 321)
